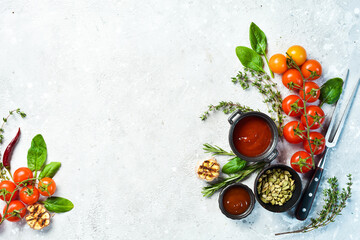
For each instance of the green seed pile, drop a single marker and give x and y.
(276, 186)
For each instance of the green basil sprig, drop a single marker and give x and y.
(330, 91)
(258, 42)
(234, 165)
(50, 170)
(37, 153)
(58, 204)
(250, 59)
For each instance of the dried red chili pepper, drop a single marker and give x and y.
(8, 151)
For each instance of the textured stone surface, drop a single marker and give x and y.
(116, 88)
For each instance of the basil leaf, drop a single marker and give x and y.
(250, 59)
(37, 153)
(234, 165)
(257, 39)
(330, 91)
(58, 204)
(50, 170)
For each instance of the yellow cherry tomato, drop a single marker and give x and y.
(277, 63)
(298, 54)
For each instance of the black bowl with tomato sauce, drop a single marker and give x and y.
(253, 136)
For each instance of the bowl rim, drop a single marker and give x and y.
(276, 208)
(244, 214)
(274, 130)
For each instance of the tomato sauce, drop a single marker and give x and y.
(236, 200)
(252, 136)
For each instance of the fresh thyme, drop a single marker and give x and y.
(5, 119)
(249, 169)
(225, 107)
(335, 202)
(267, 88)
(215, 150)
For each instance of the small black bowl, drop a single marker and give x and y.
(244, 214)
(295, 196)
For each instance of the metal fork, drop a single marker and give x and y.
(331, 138)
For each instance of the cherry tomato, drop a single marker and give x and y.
(293, 131)
(29, 195)
(47, 186)
(21, 174)
(7, 187)
(313, 66)
(277, 63)
(293, 105)
(298, 54)
(317, 141)
(301, 162)
(312, 91)
(15, 212)
(315, 116)
(292, 79)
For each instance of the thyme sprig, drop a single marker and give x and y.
(249, 169)
(216, 150)
(5, 119)
(268, 88)
(335, 202)
(225, 107)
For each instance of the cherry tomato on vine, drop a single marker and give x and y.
(277, 63)
(298, 54)
(311, 66)
(293, 106)
(301, 162)
(21, 174)
(317, 141)
(7, 187)
(15, 212)
(292, 79)
(47, 186)
(312, 91)
(293, 131)
(29, 195)
(315, 117)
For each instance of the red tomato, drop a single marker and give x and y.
(293, 106)
(317, 141)
(301, 162)
(21, 174)
(7, 187)
(277, 63)
(47, 186)
(292, 79)
(297, 53)
(293, 131)
(311, 66)
(15, 212)
(29, 195)
(315, 117)
(312, 91)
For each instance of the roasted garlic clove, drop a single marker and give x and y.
(38, 216)
(208, 169)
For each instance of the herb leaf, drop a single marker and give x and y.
(37, 153)
(250, 59)
(50, 170)
(234, 165)
(257, 39)
(58, 204)
(330, 92)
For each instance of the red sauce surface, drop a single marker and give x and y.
(252, 136)
(236, 200)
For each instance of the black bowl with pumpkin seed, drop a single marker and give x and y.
(277, 188)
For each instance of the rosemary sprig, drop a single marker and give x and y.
(267, 88)
(335, 202)
(212, 188)
(225, 107)
(216, 150)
